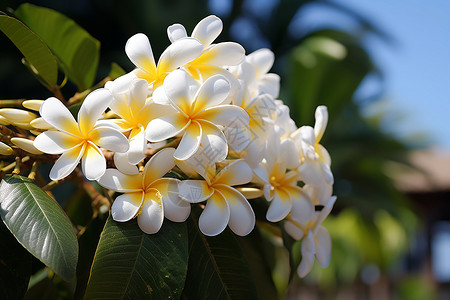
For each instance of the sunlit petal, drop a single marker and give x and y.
(262, 60)
(138, 96)
(290, 153)
(56, 114)
(66, 163)
(177, 88)
(236, 173)
(126, 206)
(25, 144)
(110, 139)
(225, 115)
(160, 163)
(176, 32)
(92, 108)
(323, 247)
(151, 217)
(175, 209)
(55, 142)
(123, 164)
(242, 217)
(302, 205)
(213, 143)
(178, 54)
(166, 127)
(321, 116)
(138, 145)
(280, 207)
(215, 216)
(194, 191)
(270, 84)
(93, 162)
(207, 30)
(212, 92)
(308, 251)
(115, 180)
(140, 53)
(189, 142)
(223, 54)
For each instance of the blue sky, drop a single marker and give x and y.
(416, 66)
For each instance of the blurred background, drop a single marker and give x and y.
(381, 67)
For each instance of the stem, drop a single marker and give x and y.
(59, 95)
(80, 96)
(33, 171)
(17, 166)
(13, 165)
(11, 102)
(51, 185)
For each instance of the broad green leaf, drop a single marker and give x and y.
(39, 224)
(75, 47)
(15, 266)
(33, 48)
(218, 268)
(130, 264)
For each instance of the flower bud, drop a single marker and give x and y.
(40, 123)
(26, 145)
(33, 104)
(4, 121)
(5, 149)
(17, 116)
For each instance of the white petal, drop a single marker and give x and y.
(321, 122)
(262, 60)
(151, 218)
(175, 209)
(236, 173)
(138, 145)
(323, 247)
(323, 154)
(121, 84)
(140, 52)
(178, 54)
(176, 32)
(126, 206)
(194, 191)
(66, 163)
(280, 207)
(238, 138)
(261, 172)
(308, 251)
(215, 216)
(123, 165)
(115, 180)
(92, 108)
(242, 217)
(55, 142)
(158, 165)
(223, 54)
(225, 115)
(159, 96)
(302, 205)
(211, 93)
(315, 172)
(294, 231)
(177, 88)
(166, 127)
(138, 95)
(207, 30)
(213, 146)
(290, 153)
(270, 84)
(26, 145)
(40, 123)
(93, 163)
(56, 114)
(15, 115)
(33, 104)
(190, 141)
(109, 139)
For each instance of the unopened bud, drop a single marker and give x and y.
(5, 149)
(17, 116)
(4, 121)
(40, 123)
(26, 145)
(33, 104)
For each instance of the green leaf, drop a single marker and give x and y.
(218, 268)
(130, 264)
(39, 224)
(75, 47)
(36, 52)
(15, 266)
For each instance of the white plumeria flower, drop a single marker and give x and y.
(315, 168)
(214, 56)
(79, 141)
(147, 195)
(316, 239)
(179, 53)
(262, 61)
(196, 116)
(225, 205)
(135, 112)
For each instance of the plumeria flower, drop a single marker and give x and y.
(196, 116)
(225, 205)
(147, 195)
(79, 141)
(262, 61)
(316, 239)
(214, 56)
(179, 53)
(280, 185)
(315, 168)
(131, 105)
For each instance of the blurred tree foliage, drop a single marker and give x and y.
(319, 65)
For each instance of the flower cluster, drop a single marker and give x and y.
(202, 125)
